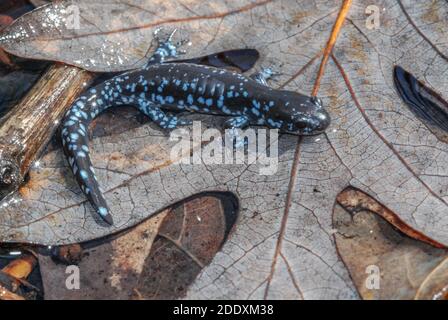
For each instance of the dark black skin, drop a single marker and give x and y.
(161, 87)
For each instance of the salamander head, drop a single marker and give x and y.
(301, 114)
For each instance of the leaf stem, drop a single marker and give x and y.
(331, 41)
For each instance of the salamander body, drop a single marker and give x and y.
(161, 87)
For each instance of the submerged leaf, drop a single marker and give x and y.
(371, 247)
(424, 102)
(113, 37)
(188, 239)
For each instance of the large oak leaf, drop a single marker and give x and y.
(374, 144)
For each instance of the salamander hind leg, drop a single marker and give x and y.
(163, 119)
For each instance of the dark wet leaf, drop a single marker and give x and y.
(365, 240)
(15, 8)
(243, 60)
(188, 239)
(424, 102)
(108, 268)
(134, 265)
(16, 77)
(14, 85)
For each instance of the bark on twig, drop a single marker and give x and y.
(14, 275)
(27, 128)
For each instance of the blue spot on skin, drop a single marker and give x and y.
(83, 174)
(102, 211)
(255, 112)
(209, 102)
(256, 104)
(160, 99)
(81, 154)
(190, 99)
(201, 100)
(74, 136)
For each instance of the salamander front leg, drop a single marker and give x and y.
(166, 48)
(163, 119)
(263, 76)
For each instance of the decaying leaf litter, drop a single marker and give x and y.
(374, 144)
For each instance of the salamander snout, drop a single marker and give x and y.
(321, 119)
(307, 117)
(311, 123)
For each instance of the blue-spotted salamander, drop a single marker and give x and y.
(162, 86)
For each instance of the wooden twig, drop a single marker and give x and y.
(27, 128)
(330, 43)
(14, 274)
(6, 294)
(21, 267)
